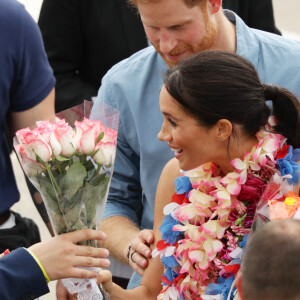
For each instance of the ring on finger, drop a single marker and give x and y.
(132, 255)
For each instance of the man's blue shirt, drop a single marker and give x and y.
(133, 87)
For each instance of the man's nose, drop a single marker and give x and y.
(167, 42)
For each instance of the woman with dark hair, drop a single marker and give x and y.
(228, 145)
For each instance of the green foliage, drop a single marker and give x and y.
(73, 189)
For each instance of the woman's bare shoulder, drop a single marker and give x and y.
(171, 170)
(166, 187)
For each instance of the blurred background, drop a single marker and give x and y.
(286, 15)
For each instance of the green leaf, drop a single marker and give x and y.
(100, 137)
(94, 194)
(240, 220)
(93, 153)
(62, 158)
(73, 180)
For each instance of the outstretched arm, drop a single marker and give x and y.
(60, 256)
(21, 275)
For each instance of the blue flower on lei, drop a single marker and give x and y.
(170, 275)
(222, 287)
(243, 243)
(288, 165)
(182, 185)
(169, 261)
(166, 229)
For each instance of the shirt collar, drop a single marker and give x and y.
(247, 44)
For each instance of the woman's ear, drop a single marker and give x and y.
(223, 129)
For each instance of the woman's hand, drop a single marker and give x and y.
(140, 251)
(105, 278)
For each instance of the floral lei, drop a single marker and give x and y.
(207, 223)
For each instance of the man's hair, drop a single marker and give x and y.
(271, 265)
(189, 3)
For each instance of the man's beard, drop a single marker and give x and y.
(206, 43)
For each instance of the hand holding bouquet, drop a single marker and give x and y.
(71, 167)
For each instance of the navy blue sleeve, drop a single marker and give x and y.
(34, 77)
(21, 277)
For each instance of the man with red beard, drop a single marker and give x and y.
(176, 29)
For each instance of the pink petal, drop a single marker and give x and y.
(233, 188)
(238, 164)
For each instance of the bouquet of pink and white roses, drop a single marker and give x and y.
(70, 162)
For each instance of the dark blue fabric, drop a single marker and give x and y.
(21, 277)
(25, 80)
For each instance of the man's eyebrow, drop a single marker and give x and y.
(182, 23)
(174, 25)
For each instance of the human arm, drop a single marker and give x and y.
(66, 50)
(131, 235)
(31, 95)
(61, 255)
(21, 276)
(18, 120)
(150, 286)
(124, 204)
(42, 111)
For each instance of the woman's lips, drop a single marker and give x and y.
(177, 152)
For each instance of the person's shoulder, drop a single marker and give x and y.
(11, 11)
(171, 170)
(14, 19)
(254, 38)
(139, 61)
(276, 41)
(12, 6)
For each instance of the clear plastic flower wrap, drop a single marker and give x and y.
(70, 162)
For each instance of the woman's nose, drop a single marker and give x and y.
(164, 135)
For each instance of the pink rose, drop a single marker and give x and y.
(66, 137)
(46, 130)
(21, 133)
(110, 136)
(31, 167)
(87, 133)
(105, 154)
(34, 145)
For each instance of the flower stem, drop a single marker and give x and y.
(52, 178)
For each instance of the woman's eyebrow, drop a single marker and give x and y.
(171, 116)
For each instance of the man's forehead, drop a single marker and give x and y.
(189, 3)
(161, 12)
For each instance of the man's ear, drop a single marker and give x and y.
(238, 284)
(214, 5)
(223, 129)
